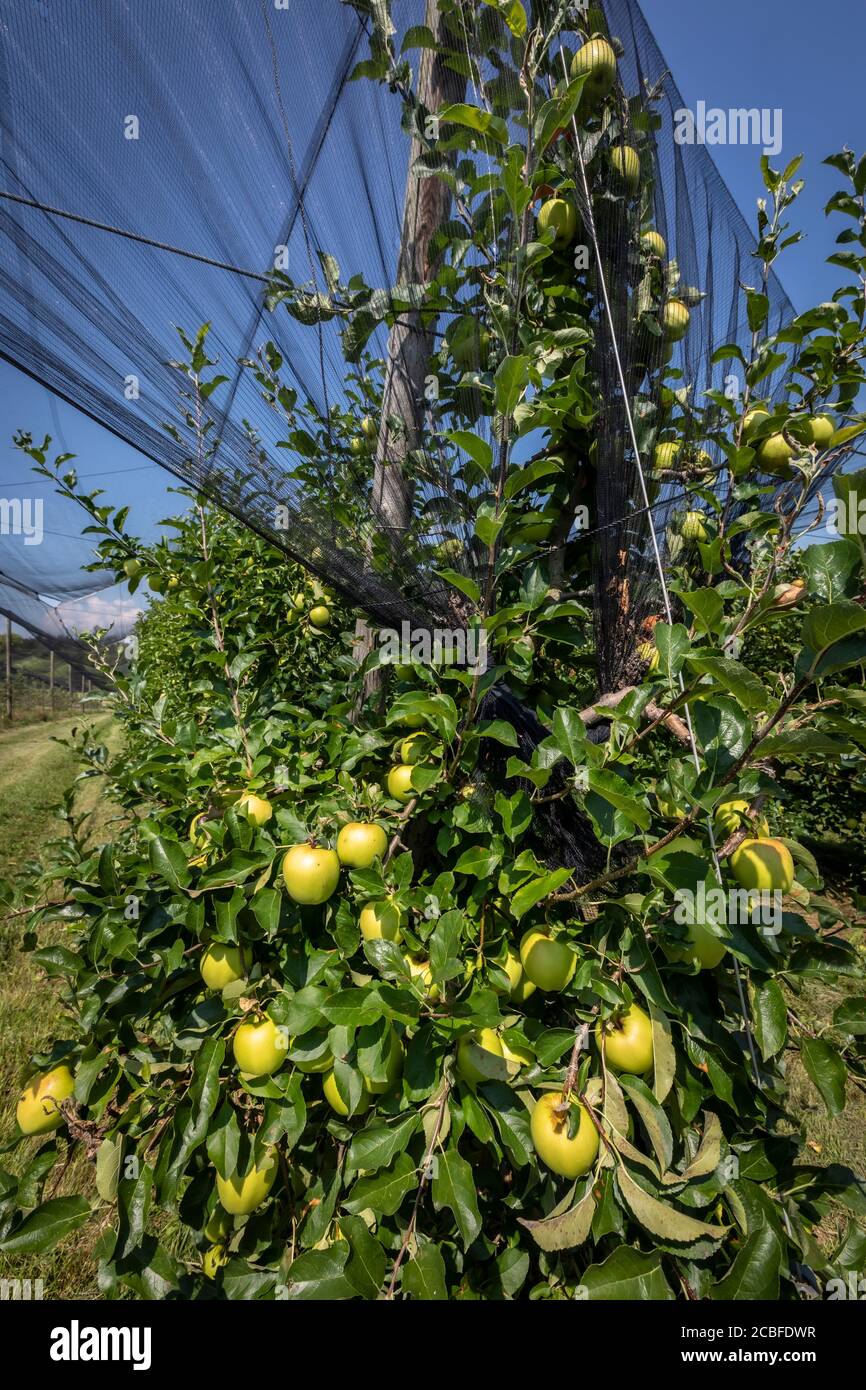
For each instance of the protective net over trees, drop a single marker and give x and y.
(246, 164)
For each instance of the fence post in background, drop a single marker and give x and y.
(51, 679)
(9, 669)
(70, 680)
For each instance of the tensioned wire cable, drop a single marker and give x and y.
(602, 280)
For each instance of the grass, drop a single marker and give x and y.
(36, 771)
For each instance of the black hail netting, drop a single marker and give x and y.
(243, 134)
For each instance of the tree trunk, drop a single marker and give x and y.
(426, 206)
(9, 669)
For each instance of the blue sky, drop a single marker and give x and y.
(774, 53)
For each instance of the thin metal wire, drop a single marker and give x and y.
(654, 539)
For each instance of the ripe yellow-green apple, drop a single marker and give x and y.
(693, 529)
(412, 719)
(218, 1227)
(675, 320)
(822, 428)
(38, 1110)
(518, 1056)
(597, 60)
(626, 165)
(310, 874)
(320, 616)
(704, 949)
(570, 1158)
(368, 427)
(299, 602)
(393, 1068)
(317, 1054)
(400, 783)
(764, 864)
(259, 1047)
(420, 970)
(628, 1042)
(241, 1195)
(360, 843)
(469, 344)
(255, 808)
(381, 922)
(213, 1259)
(654, 243)
(733, 814)
(665, 455)
(774, 455)
(132, 569)
(488, 1040)
(336, 1102)
(520, 986)
(752, 419)
(357, 445)
(414, 749)
(559, 216)
(649, 653)
(173, 583)
(221, 965)
(548, 963)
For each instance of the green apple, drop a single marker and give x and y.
(400, 783)
(654, 244)
(665, 455)
(360, 844)
(597, 60)
(548, 963)
(732, 814)
(822, 428)
(559, 216)
(336, 1102)
(38, 1110)
(627, 1043)
(764, 864)
(255, 808)
(675, 320)
(468, 1059)
(570, 1158)
(693, 529)
(393, 1068)
(212, 1260)
(310, 874)
(320, 616)
(221, 965)
(241, 1195)
(259, 1047)
(381, 922)
(626, 166)
(774, 455)
(704, 949)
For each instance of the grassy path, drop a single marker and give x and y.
(36, 771)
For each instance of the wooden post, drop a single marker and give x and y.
(51, 679)
(9, 669)
(426, 205)
(70, 680)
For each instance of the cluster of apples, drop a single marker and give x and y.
(360, 443)
(773, 453)
(318, 614)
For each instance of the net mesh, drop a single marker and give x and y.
(231, 139)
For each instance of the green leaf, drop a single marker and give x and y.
(108, 1167)
(851, 1016)
(424, 1276)
(828, 1072)
(754, 1275)
(481, 861)
(474, 118)
(626, 1276)
(478, 449)
(43, 1228)
(454, 1187)
(660, 1218)
(566, 1230)
(512, 376)
(377, 1146)
(365, 1270)
(169, 861)
(654, 1119)
(532, 892)
(384, 1193)
(320, 1275)
(770, 1015)
(569, 733)
(617, 793)
(512, 12)
(742, 683)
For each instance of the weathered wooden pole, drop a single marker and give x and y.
(426, 207)
(51, 679)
